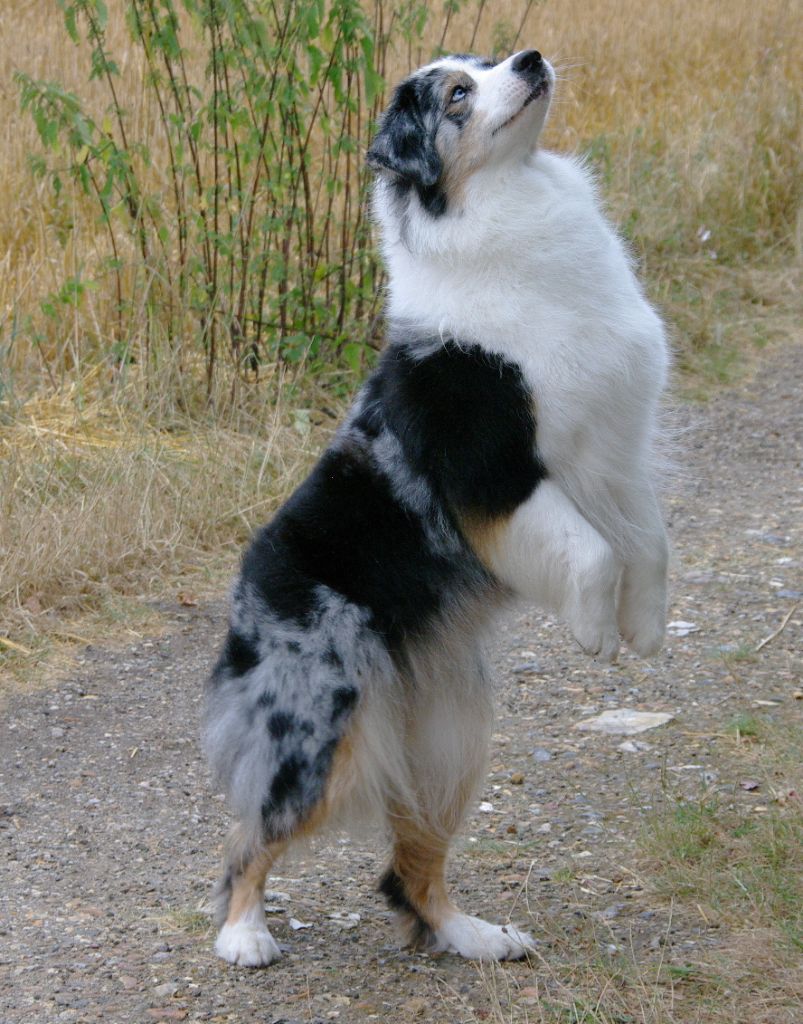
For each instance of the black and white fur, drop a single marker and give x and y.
(503, 447)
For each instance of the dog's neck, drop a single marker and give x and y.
(531, 235)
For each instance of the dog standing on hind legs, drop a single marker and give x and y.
(503, 447)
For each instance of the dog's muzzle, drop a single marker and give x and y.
(529, 64)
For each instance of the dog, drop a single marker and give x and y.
(503, 447)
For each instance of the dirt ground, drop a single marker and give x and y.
(111, 837)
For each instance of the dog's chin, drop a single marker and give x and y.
(539, 92)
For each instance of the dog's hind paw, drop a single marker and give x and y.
(476, 939)
(247, 944)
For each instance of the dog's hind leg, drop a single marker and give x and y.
(448, 745)
(244, 938)
(415, 887)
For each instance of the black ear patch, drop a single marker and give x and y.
(405, 142)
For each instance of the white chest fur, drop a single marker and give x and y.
(530, 269)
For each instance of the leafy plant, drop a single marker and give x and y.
(238, 219)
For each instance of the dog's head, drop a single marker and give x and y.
(457, 115)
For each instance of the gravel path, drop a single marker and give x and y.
(111, 838)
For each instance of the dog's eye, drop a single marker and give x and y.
(458, 93)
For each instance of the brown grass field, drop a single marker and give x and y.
(113, 497)
(691, 113)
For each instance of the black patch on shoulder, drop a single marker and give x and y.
(280, 724)
(293, 646)
(466, 422)
(266, 699)
(343, 700)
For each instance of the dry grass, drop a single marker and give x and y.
(112, 485)
(97, 505)
(710, 868)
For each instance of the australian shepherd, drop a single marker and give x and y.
(503, 447)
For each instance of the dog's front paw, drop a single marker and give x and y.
(642, 613)
(476, 939)
(597, 635)
(591, 609)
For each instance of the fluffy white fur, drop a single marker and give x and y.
(476, 939)
(248, 942)
(526, 265)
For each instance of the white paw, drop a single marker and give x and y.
(591, 609)
(247, 943)
(644, 631)
(642, 615)
(598, 637)
(476, 939)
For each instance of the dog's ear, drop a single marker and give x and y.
(405, 144)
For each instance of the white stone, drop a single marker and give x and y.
(681, 628)
(623, 721)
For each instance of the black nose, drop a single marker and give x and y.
(528, 62)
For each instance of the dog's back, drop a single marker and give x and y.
(366, 564)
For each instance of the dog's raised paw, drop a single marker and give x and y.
(591, 605)
(642, 620)
(600, 641)
(247, 944)
(476, 939)
(648, 640)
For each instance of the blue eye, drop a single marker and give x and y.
(458, 93)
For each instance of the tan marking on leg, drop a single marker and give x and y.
(485, 536)
(249, 874)
(248, 884)
(419, 859)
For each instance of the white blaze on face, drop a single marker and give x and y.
(449, 131)
(503, 92)
(504, 109)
